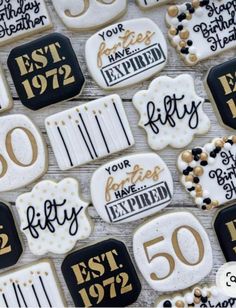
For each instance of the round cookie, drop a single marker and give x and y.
(46, 71)
(80, 15)
(22, 18)
(126, 53)
(171, 112)
(53, 216)
(172, 251)
(23, 153)
(131, 187)
(101, 275)
(208, 172)
(201, 29)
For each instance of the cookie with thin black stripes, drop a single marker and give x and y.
(89, 132)
(208, 172)
(46, 71)
(32, 285)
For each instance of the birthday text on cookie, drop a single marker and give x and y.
(220, 28)
(25, 15)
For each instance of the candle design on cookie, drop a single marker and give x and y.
(6, 101)
(46, 71)
(53, 217)
(22, 18)
(198, 296)
(225, 228)
(126, 53)
(149, 4)
(172, 251)
(33, 285)
(201, 28)
(131, 187)
(208, 172)
(89, 132)
(89, 14)
(220, 84)
(101, 275)
(23, 153)
(171, 112)
(10, 244)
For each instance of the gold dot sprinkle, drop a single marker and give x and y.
(182, 44)
(203, 156)
(184, 34)
(187, 156)
(189, 178)
(179, 304)
(219, 143)
(172, 31)
(234, 139)
(193, 57)
(195, 3)
(173, 11)
(198, 171)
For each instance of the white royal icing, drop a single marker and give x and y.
(218, 179)
(171, 112)
(23, 153)
(88, 132)
(126, 53)
(210, 28)
(131, 187)
(89, 14)
(205, 296)
(33, 285)
(53, 217)
(6, 101)
(148, 4)
(22, 18)
(172, 251)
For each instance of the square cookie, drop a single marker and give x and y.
(89, 132)
(45, 71)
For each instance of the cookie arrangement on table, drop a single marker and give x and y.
(171, 250)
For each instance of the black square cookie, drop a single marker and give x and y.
(101, 275)
(45, 71)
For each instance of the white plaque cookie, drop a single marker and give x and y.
(201, 29)
(22, 18)
(126, 53)
(171, 112)
(198, 296)
(208, 172)
(149, 4)
(172, 251)
(53, 216)
(23, 153)
(33, 285)
(6, 101)
(89, 14)
(89, 132)
(131, 187)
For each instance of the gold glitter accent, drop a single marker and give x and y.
(173, 11)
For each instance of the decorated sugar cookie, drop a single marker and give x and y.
(220, 84)
(172, 251)
(126, 53)
(10, 244)
(101, 275)
(53, 217)
(171, 112)
(33, 285)
(89, 132)
(81, 15)
(131, 187)
(45, 71)
(23, 153)
(6, 101)
(201, 28)
(22, 18)
(207, 172)
(225, 228)
(149, 4)
(198, 296)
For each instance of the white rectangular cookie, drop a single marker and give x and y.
(89, 132)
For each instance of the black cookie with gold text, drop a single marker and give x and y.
(46, 71)
(221, 86)
(101, 275)
(225, 228)
(10, 244)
